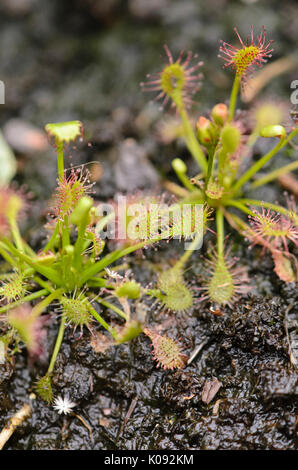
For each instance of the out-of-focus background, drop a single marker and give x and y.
(84, 59)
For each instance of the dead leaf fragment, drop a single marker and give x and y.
(100, 343)
(210, 389)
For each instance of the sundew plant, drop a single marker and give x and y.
(71, 276)
(221, 145)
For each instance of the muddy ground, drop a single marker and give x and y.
(82, 62)
(246, 350)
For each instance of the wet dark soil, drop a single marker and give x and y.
(246, 349)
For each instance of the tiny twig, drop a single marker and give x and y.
(85, 424)
(18, 418)
(196, 351)
(128, 415)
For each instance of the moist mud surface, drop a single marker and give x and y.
(246, 349)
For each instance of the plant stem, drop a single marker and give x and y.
(233, 97)
(57, 344)
(185, 181)
(65, 226)
(65, 232)
(187, 254)
(111, 257)
(97, 282)
(196, 197)
(50, 273)
(44, 284)
(269, 205)
(260, 163)
(112, 307)
(211, 160)
(274, 174)
(28, 249)
(223, 161)
(38, 309)
(52, 240)
(60, 159)
(237, 223)
(79, 245)
(16, 233)
(6, 256)
(27, 298)
(175, 189)
(192, 142)
(239, 205)
(220, 232)
(98, 317)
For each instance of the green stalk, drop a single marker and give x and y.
(65, 232)
(16, 233)
(27, 298)
(233, 97)
(274, 174)
(60, 159)
(187, 254)
(79, 244)
(222, 159)
(68, 272)
(260, 163)
(43, 284)
(269, 205)
(112, 307)
(111, 257)
(28, 250)
(50, 273)
(39, 308)
(98, 317)
(6, 256)
(192, 142)
(239, 205)
(65, 226)
(176, 189)
(50, 245)
(97, 282)
(196, 197)
(237, 223)
(57, 344)
(185, 181)
(211, 160)
(220, 232)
